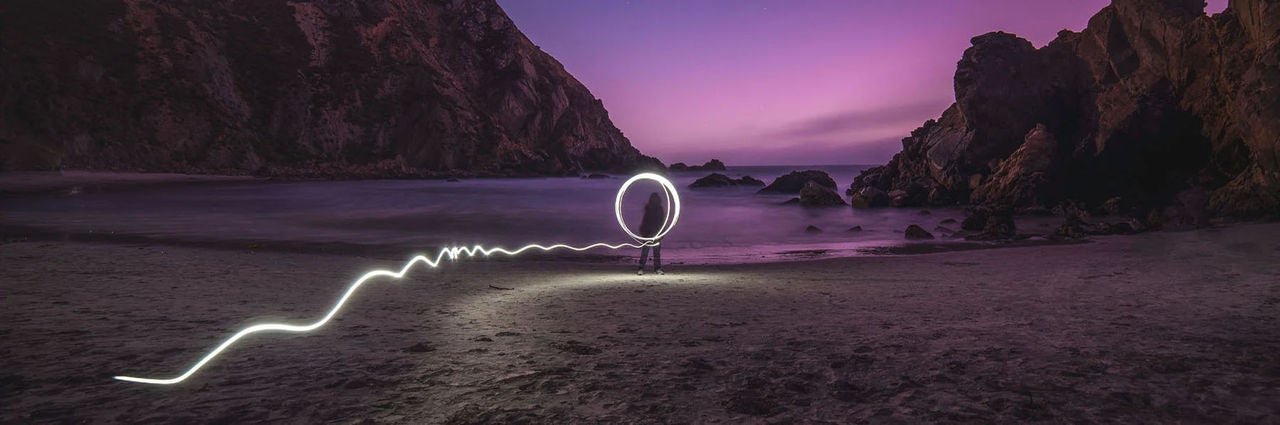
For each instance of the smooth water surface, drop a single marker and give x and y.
(717, 225)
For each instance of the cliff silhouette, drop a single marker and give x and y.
(327, 88)
(1154, 105)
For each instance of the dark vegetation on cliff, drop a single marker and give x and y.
(326, 88)
(1154, 107)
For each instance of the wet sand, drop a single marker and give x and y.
(1159, 327)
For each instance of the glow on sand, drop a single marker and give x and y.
(451, 253)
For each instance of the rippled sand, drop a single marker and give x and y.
(1160, 327)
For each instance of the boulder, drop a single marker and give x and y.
(869, 197)
(898, 198)
(1112, 206)
(975, 218)
(999, 226)
(816, 195)
(714, 180)
(712, 165)
(794, 181)
(813, 229)
(721, 180)
(915, 232)
(855, 229)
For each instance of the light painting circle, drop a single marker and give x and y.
(673, 206)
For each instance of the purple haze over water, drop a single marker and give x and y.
(717, 226)
(778, 82)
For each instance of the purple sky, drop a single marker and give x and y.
(759, 82)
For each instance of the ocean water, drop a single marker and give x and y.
(730, 225)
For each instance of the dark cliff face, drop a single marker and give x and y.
(1152, 99)
(378, 88)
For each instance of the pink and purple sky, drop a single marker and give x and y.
(772, 82)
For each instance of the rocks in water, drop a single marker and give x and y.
(817, 195)
(813, 229)
(855, 229)
(792, 201)
(943, 229)
(596, 176)
(1151, 98)
(296, 89)
(948, 221)
(999, 226)
(712, 165)
(869, 197)
(713, 180)
(916, 232)
(721, 180)
(984, 223)
(452, 180)
(1076, 225)
(793, 182)
(975, 218)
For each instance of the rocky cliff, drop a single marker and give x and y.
(1152, 100)
(377, 88)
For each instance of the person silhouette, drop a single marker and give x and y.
(654, 215)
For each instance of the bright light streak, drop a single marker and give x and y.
(673, 203)
(452, 253)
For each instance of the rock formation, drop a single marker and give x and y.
(712, 165)
(325, 88)
(794, 181)
(817, 195)
(721, 180)
(1152, 99)
(915, 232)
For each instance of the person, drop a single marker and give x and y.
(650, 225)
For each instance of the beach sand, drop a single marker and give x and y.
(1160, 327)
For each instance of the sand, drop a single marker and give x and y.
(1160, 327)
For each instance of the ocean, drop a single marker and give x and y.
(730, 225)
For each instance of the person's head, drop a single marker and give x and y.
(655, 199)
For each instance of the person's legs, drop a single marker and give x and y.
(657, 257)
(644, 254)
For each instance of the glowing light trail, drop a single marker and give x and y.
(452, 253)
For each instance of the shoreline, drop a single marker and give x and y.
(23, 233)
(1099, 332)
(25, 183)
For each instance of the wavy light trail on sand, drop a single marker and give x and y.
(453, 254)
